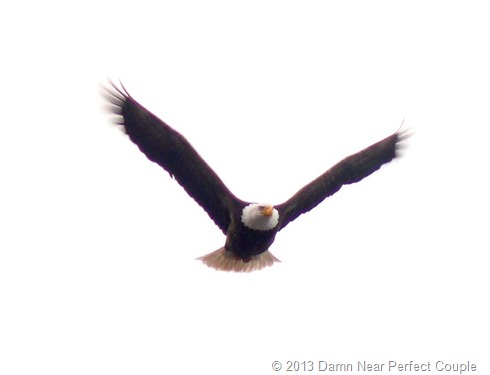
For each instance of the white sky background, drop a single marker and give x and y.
(97, 253)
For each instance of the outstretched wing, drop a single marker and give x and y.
(169, 149)
(350, 170)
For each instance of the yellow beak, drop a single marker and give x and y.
(267, 211)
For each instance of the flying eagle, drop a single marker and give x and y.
(250, 228)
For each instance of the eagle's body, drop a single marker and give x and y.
(246, 242)
(250, 228)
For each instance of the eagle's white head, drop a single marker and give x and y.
(260, 216)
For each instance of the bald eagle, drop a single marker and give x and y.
(250, 228)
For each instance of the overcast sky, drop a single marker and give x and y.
(97, 252)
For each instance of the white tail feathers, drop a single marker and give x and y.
(224, 260)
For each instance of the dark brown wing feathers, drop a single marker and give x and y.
(350, 170)
(166, 147)
(169, 149)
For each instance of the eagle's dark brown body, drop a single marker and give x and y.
(246, 243)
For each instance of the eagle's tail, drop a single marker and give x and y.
(224, 260)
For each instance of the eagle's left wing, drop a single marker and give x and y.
(350, 170)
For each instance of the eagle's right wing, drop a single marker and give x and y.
(169, 149)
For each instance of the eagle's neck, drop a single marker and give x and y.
(252, 218)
